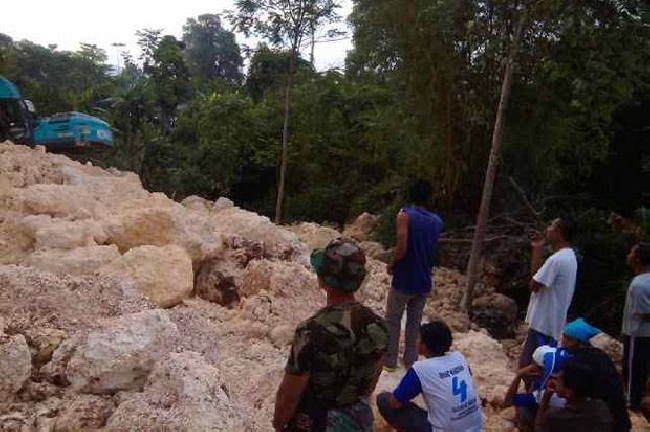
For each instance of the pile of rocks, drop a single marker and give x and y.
(122, 309)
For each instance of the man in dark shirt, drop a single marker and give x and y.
(583, 412)
(606, 382)
(337, 354)
(418, 230)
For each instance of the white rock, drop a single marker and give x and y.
(162, 274)
(281, 336)
(183, 393)
(64, 234)
(84, 412)
(15, 365)
(148, 221)
(120, 354)
(313, 234)
(73, 262)
(362, 227)
(222, 203)
(197, 203)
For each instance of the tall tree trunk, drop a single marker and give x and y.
(285, 138)
(490, 174)
(312, 56)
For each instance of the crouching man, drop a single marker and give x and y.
(444, 379)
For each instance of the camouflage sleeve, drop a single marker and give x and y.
(300, 358)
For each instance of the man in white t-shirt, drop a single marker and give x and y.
(444, 379)
(552, 288)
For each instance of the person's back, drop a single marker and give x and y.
(413, 272)
(607, 384)
(448, 391)
(590, 415)
(342, 345)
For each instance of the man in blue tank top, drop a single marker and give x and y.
(418, 230)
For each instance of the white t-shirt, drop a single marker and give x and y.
(448, 391)
(637, 302)
(548, 306)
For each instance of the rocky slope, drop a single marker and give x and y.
(121, 309)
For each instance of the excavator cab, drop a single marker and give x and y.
(63, 132)
(16, 119)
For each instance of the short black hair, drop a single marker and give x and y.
(580, 378)
(566, 227)
(643, 252)
(420, 193)
(436, 336)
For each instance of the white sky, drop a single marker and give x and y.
(69, 22)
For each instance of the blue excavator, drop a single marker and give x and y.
(61, 132)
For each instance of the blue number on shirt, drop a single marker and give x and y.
(459, 388)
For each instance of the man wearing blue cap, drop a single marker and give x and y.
(607, 384)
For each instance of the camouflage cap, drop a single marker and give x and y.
(340, 265)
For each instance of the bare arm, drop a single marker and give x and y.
(287, 398)
(534, 286)
(402, 224)
(540, 418)
(512, 390)
(536, 261)
(531, 370)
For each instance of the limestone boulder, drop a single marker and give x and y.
(84, 413)
(610, 345)
(278, 242)
(33, 299)
(119, 354)
(15, 365)
(55, 233)
(16, 242)
(222, 203)
(313, 234)
(275, 293)
(162, 274)
(376, 251)
(197, 203)
(73, 262)
(147, 221)
(183, 393)
(362, 227)
(43, 342)
(218, 281)
(496, 313)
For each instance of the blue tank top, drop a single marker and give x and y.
(413, 272)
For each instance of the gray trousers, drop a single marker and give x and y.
(409, 418)
(396, 303)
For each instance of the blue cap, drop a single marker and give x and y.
(581, 330)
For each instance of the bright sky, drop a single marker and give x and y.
(68, 22)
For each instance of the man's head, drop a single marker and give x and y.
(560, 231)
(575, 381)
(578, 333)
(340, 265)
(420, 193)
(639, 256)
(434, 339)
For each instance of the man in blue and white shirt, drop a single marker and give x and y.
(445, 382)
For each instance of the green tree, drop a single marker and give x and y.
(210, 50)
(285, 24)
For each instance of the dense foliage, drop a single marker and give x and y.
(416, 99)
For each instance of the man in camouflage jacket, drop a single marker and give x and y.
(336, 356)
